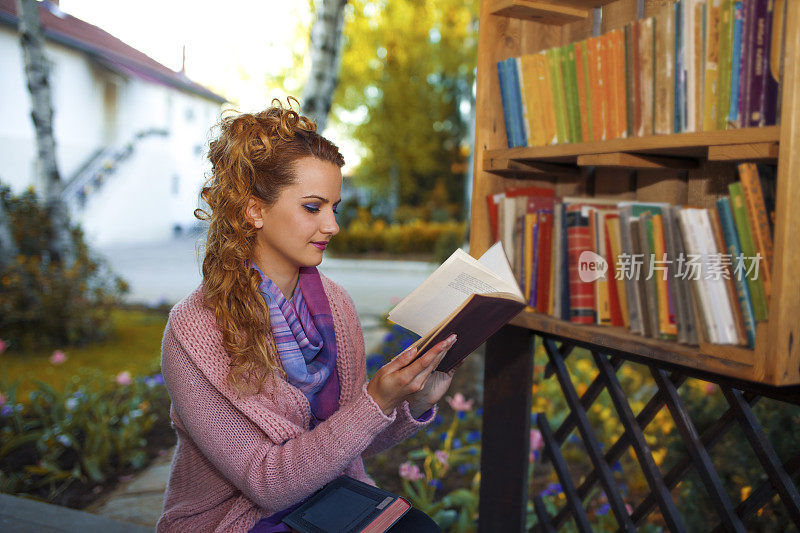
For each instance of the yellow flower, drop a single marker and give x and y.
(745, 491)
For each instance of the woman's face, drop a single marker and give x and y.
(294, 231)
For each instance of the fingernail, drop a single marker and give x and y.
(451, 339)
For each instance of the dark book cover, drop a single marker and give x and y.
(501, 76)
(746, 71)
(759, 59)
(345, 505)
(581, 294)
(564, 264)
(478, 318)
(772, 57)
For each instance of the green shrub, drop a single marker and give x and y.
(415, 237)
(86, 433)
(44, 303)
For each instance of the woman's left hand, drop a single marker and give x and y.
(432, 391)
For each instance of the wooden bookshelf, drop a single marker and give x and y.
(685, 169)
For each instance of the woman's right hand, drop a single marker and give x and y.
(403, 376)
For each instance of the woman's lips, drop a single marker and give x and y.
(321, 245)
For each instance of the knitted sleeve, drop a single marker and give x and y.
(404, 424)
(273, 475)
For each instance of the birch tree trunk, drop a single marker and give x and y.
(37, 71)
(326, 44)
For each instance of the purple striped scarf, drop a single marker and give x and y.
(306, 341)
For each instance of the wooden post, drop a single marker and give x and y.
(505, 445)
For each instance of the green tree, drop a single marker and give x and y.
(405, 94)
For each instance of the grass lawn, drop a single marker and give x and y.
(135, 346)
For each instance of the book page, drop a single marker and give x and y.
(446, 289)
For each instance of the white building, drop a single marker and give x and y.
(131, 134)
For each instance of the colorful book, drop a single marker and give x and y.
(665, 71)
(727, 277)
(529, 253)
(581, 294)
(710, 101)
(759, 224)
(734, 118)
(685, 310)
(532, 100)
(746, 71)
(725, 64)
(747, 244)
(647, 47)
(631, 81)
(772, 63)
(607, 89)
(681, 64)
(733, 247)
(758, 57)
(616, 284)
(689, 223)
(571, 89)
(617, 59)
(546, 98)
(597, 85)
(523, 100)
(516, 101)
(695, 71)
(543, 259)
(557, 90)
(636, 72)
(667, 328)
(505, 98)
(584, 90)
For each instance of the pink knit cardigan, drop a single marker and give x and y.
(241, 459)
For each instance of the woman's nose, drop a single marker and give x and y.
(330, 226)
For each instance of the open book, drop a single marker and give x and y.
(471, 298)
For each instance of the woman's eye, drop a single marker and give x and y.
(311, 208)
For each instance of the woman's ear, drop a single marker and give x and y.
(253, 213)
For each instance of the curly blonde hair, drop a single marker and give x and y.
(253, 156)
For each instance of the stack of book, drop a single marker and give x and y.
(698, 65)
(664, 271)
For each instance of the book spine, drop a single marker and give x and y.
(555, 271)
(684, 286)
(757, 216)
(769, 95)
(528, 253)
(597, 229)
(566, 280)
(640, 250)
(650, 290)
(734, 120)
(596, 88)
(557, 90)
(581, 295)
(666, 313)
(722, 302)
(630, 81)
(545, 238)
(739, 331)
(516, 100)
(713, 23)
(532, 100)
(690, 48)
(676, 307)
(660, 57)
(534, 242)
(746, 73)
(679, 51)
(759, 60)
(546, 99)
(748, 251)
(689, 223)
(584, 90)
(607, 92)
(669, 71)
(612, 255)
(618, 66)
(699, 64)
(501, 75)
(626, 245)
(525, 117)
(571, 88)
(725, 64)
(728, 227)
(647, 49)
(638, 91)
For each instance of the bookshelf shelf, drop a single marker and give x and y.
(733, 361)
(544, 12)
(691, 169)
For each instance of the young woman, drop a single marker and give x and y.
(264, 361)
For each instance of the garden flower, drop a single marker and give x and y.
(710, 388)
(603, 509)
(6, 411)
(459, 403)
(71, 404)
(3, 346)
(410, 472)
(473, 436)
(58, 357)
(3, 399)
(63, 439)
(435, 483)
(442, 456)
(552, 488)
(537, 442)
(123, 378)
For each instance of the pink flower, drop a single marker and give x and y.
(3, 346)
(459, 403)
(537, 442)
(410, 471)
(123, 378)
(58, 357)
(3, 399)
(442, 456)
(629, 508)
(710, 388)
